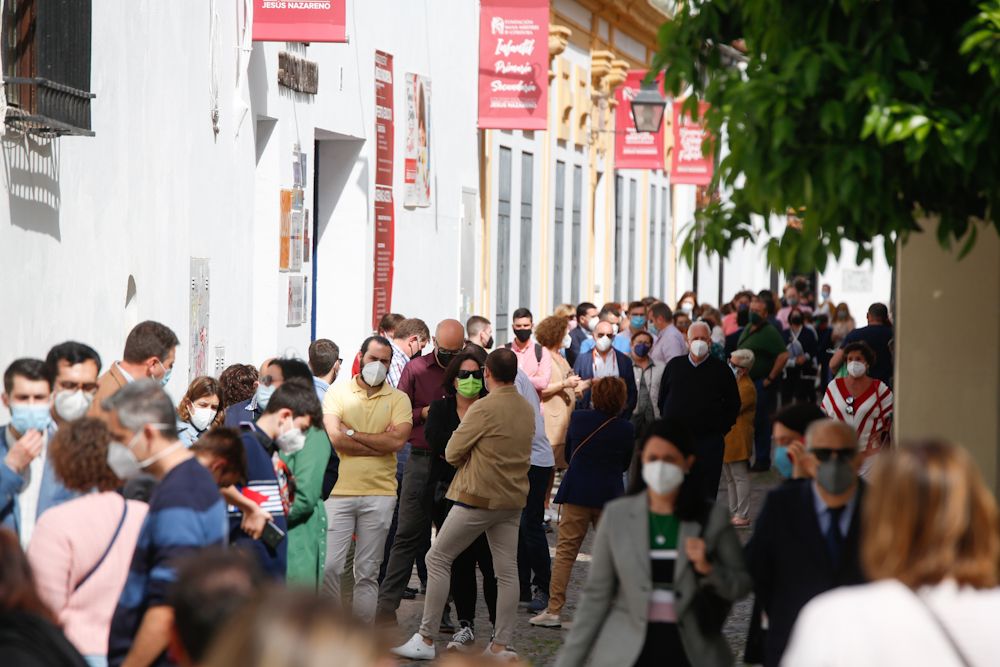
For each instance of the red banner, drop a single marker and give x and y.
(636, 150)
(384, 206)
(299, 20)
(688, 165)
(513, 64)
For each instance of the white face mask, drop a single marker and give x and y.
(374, 373)
(201, 418)
(856, 369)
(603, 344)
(593, 322)
(699, 348)
(567, 341)
(662, 477)
(123, 461)
(614, 328)
(292, 440)
(71, 405)
(687, 308)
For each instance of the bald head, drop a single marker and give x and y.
(449, 335)
(831, 434)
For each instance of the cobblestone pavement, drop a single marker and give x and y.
(540, 645)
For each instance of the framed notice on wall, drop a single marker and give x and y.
(285, 231)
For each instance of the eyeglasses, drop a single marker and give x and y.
(466, 374)
(442, 350)
(87, 387)
(824, 454)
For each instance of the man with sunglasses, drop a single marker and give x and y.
(422, 381)
(807, 536)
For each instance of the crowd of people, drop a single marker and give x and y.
(277, 512)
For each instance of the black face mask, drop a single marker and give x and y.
(795, 320)
(489, 344)
(742, 317)
(522, 334)
(444, 358)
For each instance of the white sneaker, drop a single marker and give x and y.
(462, 640)
(546, 620)
(415, 649)
(505, 655)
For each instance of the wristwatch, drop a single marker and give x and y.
(349, 433)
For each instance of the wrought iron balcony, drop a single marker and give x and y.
(45, 108)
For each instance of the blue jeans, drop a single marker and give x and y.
(762, 424)
(532, 547)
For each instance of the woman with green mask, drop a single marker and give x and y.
(463, 386)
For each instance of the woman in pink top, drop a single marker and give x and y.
(81, 550)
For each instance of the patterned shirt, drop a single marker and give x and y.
(870, 414)
(664, 530)
(396, 365)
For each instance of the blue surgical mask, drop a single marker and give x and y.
(26, 417)
(641, 349)
(652, 329)
(637, 321)
(264, 396)
(167, 372)
(781, 462)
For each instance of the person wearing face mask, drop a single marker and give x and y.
(532, 358)
(586, 319)
(150, 352)
(700, 391)
(408, 340)
(666, 567)
(669, 342)
(559, 398)
(688, 304)
(599, 448)
(648, 378)
(407, 541)
(200, 409)
(806, 540)
(862, 402)
(799, 380)
(740, 303)
(602, 360)
(739, 442)
(793, 302)
(387, 325)
(843, 324)
(81, 573)
(75, 367)
(634, 323)
(368, 422)
(788, 436)
(770, 356)
(479, 332)
(186, 514)
(610, 313)
(28, 485)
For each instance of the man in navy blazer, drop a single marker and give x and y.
(807, 537)
(604, 361)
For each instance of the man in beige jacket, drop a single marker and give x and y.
(491, 449)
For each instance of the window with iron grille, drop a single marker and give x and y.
(46, 62)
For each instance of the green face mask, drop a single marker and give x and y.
(754, 318)
(470, 387)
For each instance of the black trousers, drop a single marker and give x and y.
(413, 533)
(463, 581)
(707, 468)
(532, 547)
(662, 647)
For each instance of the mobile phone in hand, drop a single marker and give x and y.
(272, 535)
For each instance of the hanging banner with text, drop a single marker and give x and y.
(636, 150)
(417, 168)
(513, 64)
(300, 20)
(688, 165)
(384, 208)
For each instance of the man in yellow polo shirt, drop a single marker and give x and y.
(368, 421)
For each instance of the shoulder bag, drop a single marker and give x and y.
(114, 538)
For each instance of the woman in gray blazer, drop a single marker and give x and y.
(666, 567)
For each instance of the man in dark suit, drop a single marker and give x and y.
(807, 537)
(604, 361)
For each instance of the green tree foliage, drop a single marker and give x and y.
(866, 115)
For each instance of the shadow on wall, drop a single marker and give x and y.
(31, 172)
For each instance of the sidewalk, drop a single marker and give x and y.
(539, 646)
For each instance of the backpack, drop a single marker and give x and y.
(538, 351)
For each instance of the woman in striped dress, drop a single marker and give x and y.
(862, 402)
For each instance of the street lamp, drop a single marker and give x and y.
(647, 109)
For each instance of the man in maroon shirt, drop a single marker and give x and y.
(422, 381)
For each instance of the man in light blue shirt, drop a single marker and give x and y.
(324, 362)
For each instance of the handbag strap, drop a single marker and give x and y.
(114, 538)
(956, 649)
(592, 434)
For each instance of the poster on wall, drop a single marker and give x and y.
(417, 169)
(513, 64)
(688, 165)
(295, 263)
(300, 21)
(636, 150)
(296, 300)
(384, 206)
(285, 231)
(306, 239)
(198, 339)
